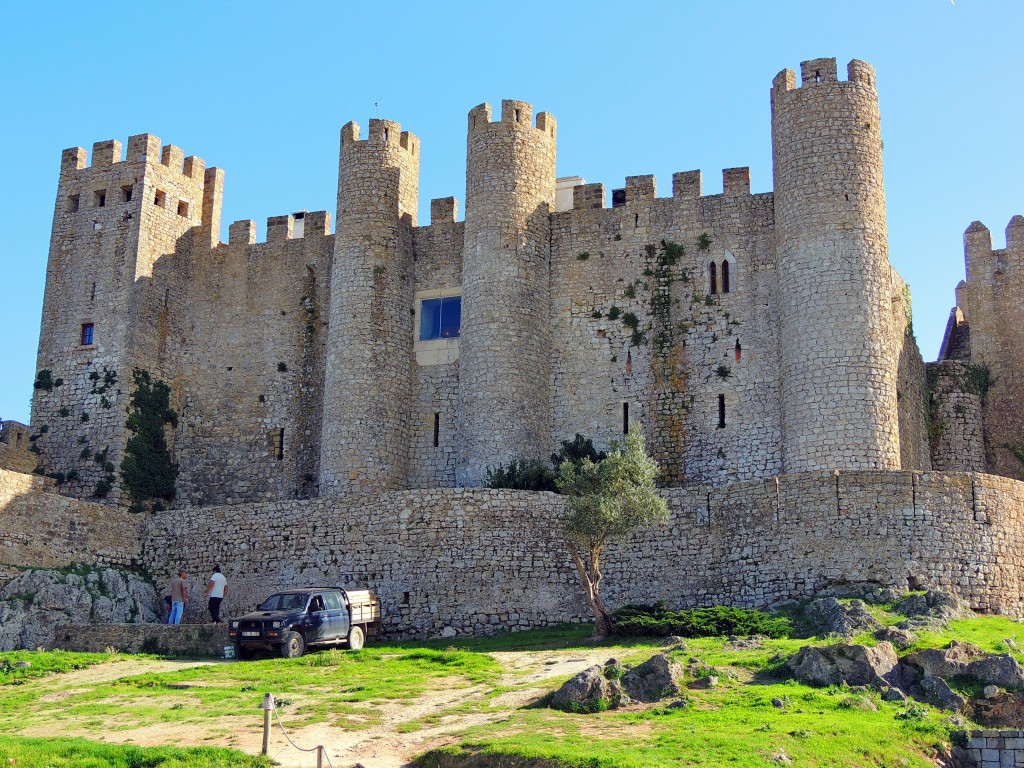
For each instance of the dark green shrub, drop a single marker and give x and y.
(147, 472)
(656, 620)
(522, 475)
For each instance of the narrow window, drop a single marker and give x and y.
(159, 198)
(101, 198)
(126, 194)
(739, 351)
(713, 274)
(437, 429)
(636, 220)
(92, 294)
(721, 411)
(17, 439)
(725, 277)
(87, 329)
(517, 115)
(385, 134)
(817, 75)
(277, 443)
(73, 203)
(183, 208)
(625, 418)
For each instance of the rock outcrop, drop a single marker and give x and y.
(844, 663)
(829, 616)
(595, 689)
(33, 603)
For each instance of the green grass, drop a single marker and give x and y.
(80, 753)
(43, 664)
(333, 686)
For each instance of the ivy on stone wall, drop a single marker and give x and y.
(147, 473)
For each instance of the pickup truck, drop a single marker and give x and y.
(293, 621)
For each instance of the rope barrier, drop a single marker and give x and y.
(319, 748)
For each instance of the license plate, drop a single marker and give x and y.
(250, 634)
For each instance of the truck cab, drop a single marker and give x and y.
(294, 620)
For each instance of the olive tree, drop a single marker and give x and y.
(607, 500)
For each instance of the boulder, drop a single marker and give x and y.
(844, 663)
(900, 638)
(997, 669)
(589, 691)
(938, 693)
(935, 605)
(657, 678)
(950, 661)
(828, 616)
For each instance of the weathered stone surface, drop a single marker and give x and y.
(844, 663)
(1000, 710)
(938, 693)
(999, 669)
(900, 638)
(657, 678)
(590, 691)
(829, 616)
(35, 602)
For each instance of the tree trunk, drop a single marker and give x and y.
(590, 580)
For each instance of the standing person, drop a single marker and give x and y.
(179, 596)
(216, 590)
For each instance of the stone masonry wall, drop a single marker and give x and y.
(956, 419)
(39, 528)
(478, 560)
(639, 338)
(14, 447)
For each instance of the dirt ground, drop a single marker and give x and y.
(382, 745)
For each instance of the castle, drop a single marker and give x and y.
(751, 336)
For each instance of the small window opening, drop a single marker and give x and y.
(73, 203)
(277, 443)
(87, 334)
(517, 115)
(725, 277)
(817, 75)
(739, 351)
(385, 134)
(625, 418)
(92, 293)
(405, 598)
(126, 194)
(721, 411)
(97, 225)
(713, 274)
(437, 429)
(101, 198)
(159, 198)
(182, 208)
(440, 318)
(636, 220)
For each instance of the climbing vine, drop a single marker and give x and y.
(147, 473)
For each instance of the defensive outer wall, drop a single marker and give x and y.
(473, 560)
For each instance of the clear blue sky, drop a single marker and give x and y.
(261, 90)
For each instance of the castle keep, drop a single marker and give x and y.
(346, 393)
(748, 334)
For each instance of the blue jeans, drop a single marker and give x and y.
(176, 611)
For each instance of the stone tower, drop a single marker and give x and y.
(839, 352)
(101, 317)
(504, 355)
(369, 351)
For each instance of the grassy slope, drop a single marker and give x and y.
(80, 753)
(735, 724)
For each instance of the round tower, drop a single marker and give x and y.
(839, 348)
(364, 439)
(504, 352)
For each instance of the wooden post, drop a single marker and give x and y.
(319, 757)
(267, 707)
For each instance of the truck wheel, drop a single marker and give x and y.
(355, 638)
(245, 653)
(293, 645)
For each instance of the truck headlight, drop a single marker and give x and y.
(277, 624)
(234, 625)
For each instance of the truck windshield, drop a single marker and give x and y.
(284, 602)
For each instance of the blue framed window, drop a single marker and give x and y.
(440, 318)
(86, 334)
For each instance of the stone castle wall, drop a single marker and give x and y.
(14, 447)
(477, 560)
(42, 529)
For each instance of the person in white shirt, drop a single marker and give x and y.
(216, 591)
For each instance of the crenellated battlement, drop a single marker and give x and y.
(982, 260)
(142, 148)
(515, 115)
(686, 185)
(815, 72)
(381, 133)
